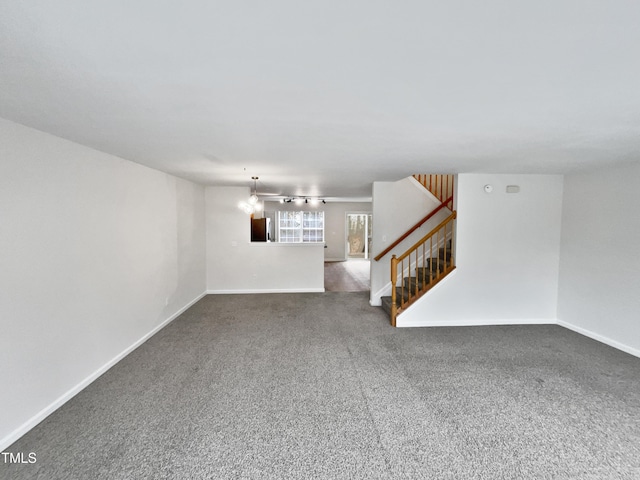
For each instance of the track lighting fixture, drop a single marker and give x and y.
(313, 201)
(253, 204)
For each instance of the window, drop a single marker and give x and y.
(301, 227)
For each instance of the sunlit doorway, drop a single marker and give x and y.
(353, 273)
(358, 235)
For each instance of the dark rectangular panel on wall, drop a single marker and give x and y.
(258, 229)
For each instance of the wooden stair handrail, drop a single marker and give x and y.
(413, 229)
(453, 216)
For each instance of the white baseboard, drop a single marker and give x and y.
(266, 290)
(476, 322)
(385, 291)
(335, 259)
(5, 442)
(601, 338)
(527, 321)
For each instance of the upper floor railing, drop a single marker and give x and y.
(440, 185)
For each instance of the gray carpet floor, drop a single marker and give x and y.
(319, 386)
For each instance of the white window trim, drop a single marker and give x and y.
(301, 228)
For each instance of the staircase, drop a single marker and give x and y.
(428, 261)
(426, 275)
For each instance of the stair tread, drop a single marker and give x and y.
(386, 300)
(410, 282)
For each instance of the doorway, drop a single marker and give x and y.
(353, 273)
(359, 228)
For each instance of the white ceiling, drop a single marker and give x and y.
(324, 97)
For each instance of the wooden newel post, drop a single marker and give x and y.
(394, 279)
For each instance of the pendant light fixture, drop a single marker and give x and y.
(253, 203)
(253, 199)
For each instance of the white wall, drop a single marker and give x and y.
(334, 221)
(96, 253)
(507, 255)
(236, 265)
(397, 206)
(599, 291)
